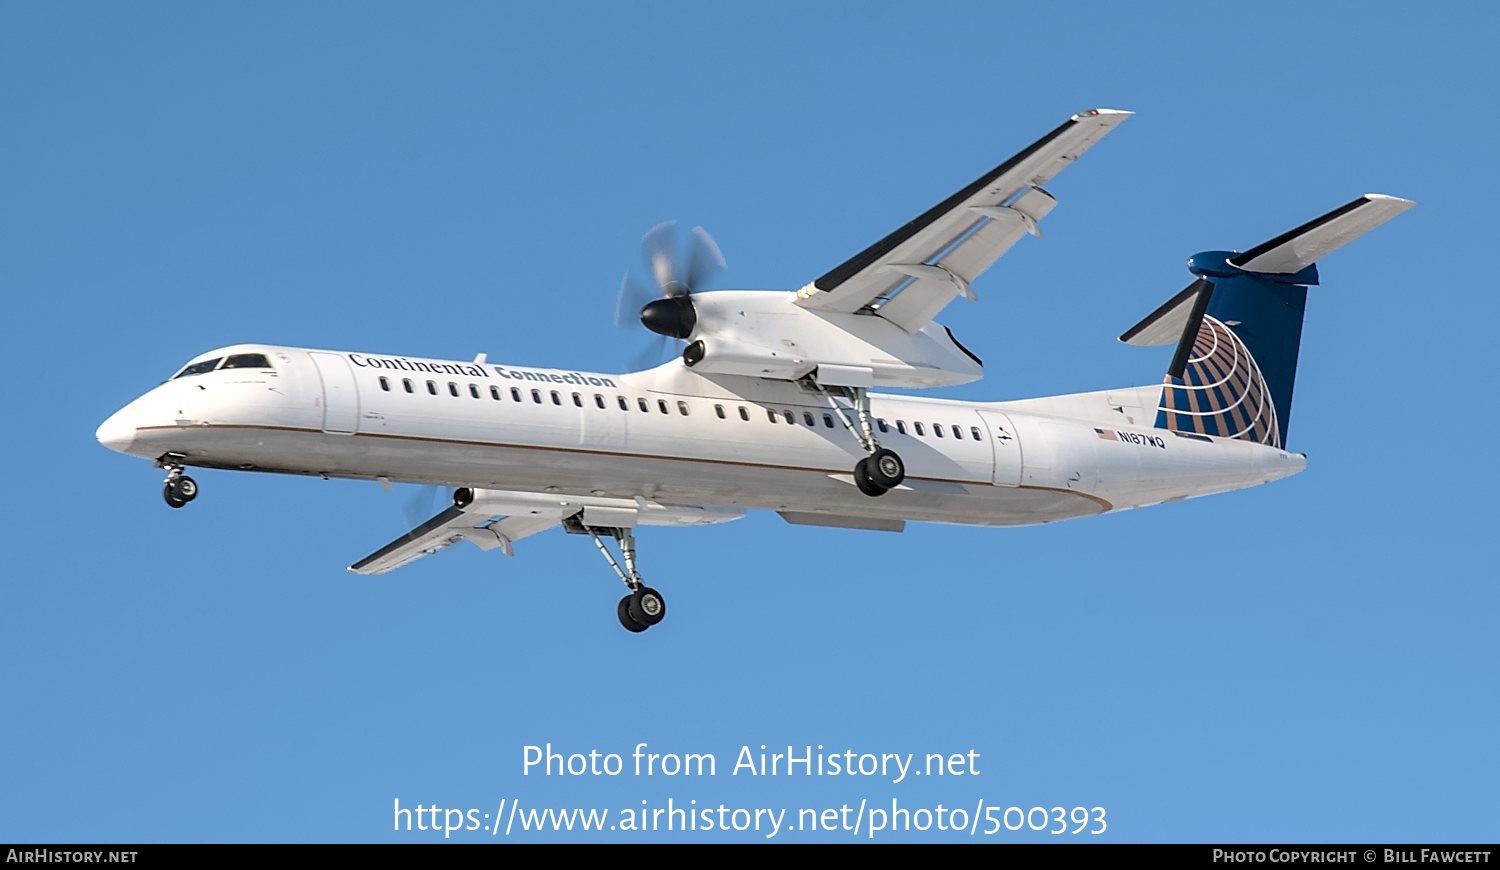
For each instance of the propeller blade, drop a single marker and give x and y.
(633, 297)
(659, 245)
(678, 272)
(705, 260)
(649, 357)
(421, 505)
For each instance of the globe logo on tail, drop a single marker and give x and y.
(1221, 392)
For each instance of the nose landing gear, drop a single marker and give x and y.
(178, 489)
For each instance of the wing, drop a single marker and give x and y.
(473, 522)
(495, 519)
(911, 274)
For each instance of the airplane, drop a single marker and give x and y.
(772, 404)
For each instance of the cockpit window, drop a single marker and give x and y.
(247, 361)
(199, 368)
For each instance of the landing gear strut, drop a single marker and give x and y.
(643, 606)
(882, 470)
(178, 489)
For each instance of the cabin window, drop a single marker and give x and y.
(556, 399)
(974, 430)
(207, 365)
(771, 414)
(536, 396)
(577, 401)
(744, 414)
(495, 393)
(880, 424)
(661, 405)
(247, 361)
(682, 408)
(474, 390)
(515, 394)
(791, 419)
(918, 427)
(453, 389)
(385, 383)
(828, 420)
(719, 409)
(644, 405)
(901, 426)
(807, 418)
(958, 431)
(432, 387)
(406, 382)
(937, 429)
(599, 400)
(624, 405)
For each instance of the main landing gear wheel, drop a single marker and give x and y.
(864, 481)
(647, 607)
(623, 611)
(179, 490)
(882, 470)
(644, 606)
(886, 468)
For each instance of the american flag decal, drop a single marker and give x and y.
(1107, 434)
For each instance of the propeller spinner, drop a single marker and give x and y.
(678, 272)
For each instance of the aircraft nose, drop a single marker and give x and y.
(117, 432)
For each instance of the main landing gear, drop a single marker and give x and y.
(882, 470)
(178, 489)
(643, 606)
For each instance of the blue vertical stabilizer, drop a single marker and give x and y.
(1238, 327)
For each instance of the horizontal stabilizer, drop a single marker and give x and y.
(1299, 248)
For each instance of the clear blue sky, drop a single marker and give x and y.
(1314, 660)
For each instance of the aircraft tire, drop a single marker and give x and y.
(862, 480)
(647, 606)
(168, 492)
(886, 468)
(628, 621)
(187, 488)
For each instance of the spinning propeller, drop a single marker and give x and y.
(678, 271)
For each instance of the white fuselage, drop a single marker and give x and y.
(674, 436)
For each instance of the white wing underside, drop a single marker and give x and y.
(496, 519)
(913, 273)
(454, 524)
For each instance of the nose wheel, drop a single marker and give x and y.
(178, 489)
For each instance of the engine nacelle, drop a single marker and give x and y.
(763, 334)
